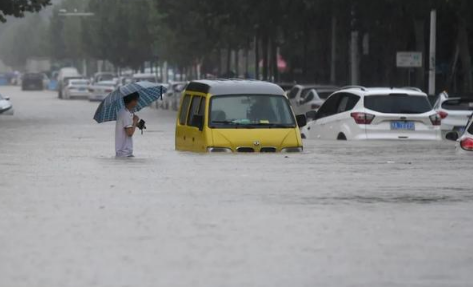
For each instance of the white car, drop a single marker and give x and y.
(6, 107)
(465, 142)
(455, 113)
(305, 98)
(100, 90)
(358, 113)
(172, 96)
(77, 89)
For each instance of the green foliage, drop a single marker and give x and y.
(120, 32)
(17, 8)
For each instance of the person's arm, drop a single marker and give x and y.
(130, 130)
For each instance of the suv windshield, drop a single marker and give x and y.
(250, 111)
(458, 105)
(398, 104)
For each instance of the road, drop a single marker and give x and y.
(341, 214)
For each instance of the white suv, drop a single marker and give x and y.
(455, 113)
(358, 113)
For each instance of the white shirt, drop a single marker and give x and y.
(123, 143)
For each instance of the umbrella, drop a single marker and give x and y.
(113, 103)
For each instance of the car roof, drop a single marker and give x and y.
(143, 75)
(362, 91)
(234, 87)
(314, 86)
(106, 83)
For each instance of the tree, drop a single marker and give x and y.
(17, 8)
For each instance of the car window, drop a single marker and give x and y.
(398, 104)
(329, 108)
(202, 107)
(184, 110)
(293, 93)
(470, 129)
(308, 97)
(458, 105)
(250, 111)
(325, 94)
(347, 103)
(194, 110)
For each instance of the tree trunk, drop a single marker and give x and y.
(257, 56)
(237, 63)
(274, 60)
(265, 57)
(247, 58)
(465, 58)
(229, 60)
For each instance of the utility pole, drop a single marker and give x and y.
(333, 61)
(433, 52)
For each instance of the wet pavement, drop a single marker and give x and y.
(341, 214)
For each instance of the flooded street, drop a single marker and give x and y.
(340, 214)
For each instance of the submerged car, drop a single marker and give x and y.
(172, 97)
(465, 141)
(6, 107)
(77, 89)
(455, 113)
(100, 90)
(237, 116)
(32, 82)
(358, 113)
(306, 98)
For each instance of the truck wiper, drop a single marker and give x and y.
(273, 126)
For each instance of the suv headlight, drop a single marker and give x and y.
(219, 149)
(292, 150)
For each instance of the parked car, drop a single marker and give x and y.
(103, 76)
(465, 141)
(358, 113)
(100, 90)
(455, 113)
(32, 82)
(66, 74)
(305, 98)
(124, 80)
(286, 86)
(6, 107)
(237, 116)
(172, 97)
(77, 88)
(145, 77)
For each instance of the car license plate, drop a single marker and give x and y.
(408, 126)
(81, 89)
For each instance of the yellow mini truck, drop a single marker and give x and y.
(237, 116)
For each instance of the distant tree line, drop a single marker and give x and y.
(314, 37)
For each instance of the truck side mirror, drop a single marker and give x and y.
(198, 121)
(301, 121)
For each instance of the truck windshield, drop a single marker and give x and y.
(398, 104)
(250, 111)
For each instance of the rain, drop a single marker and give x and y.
(236, 143)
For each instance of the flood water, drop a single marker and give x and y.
(340, 214)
